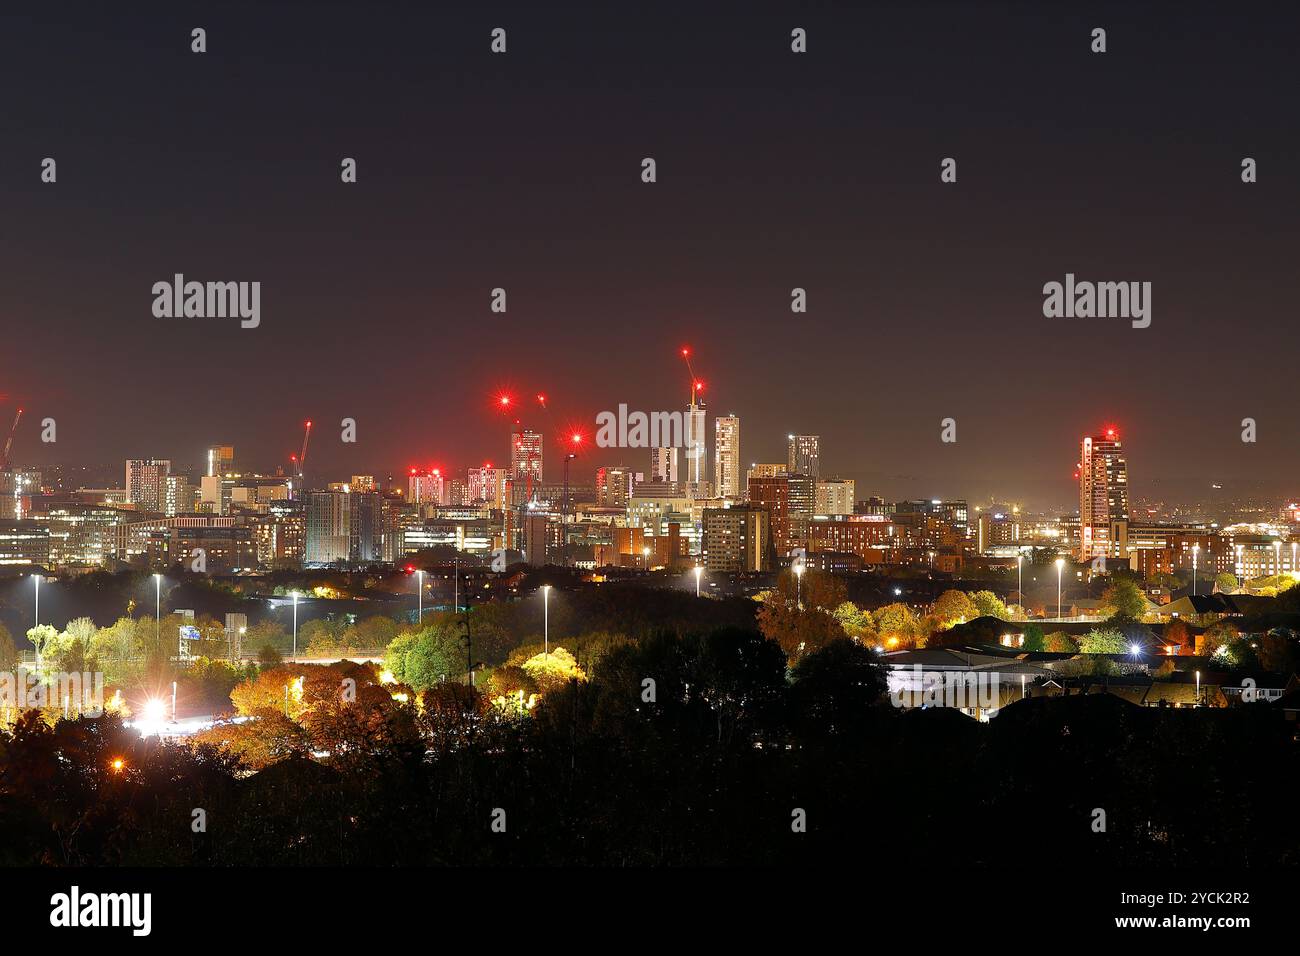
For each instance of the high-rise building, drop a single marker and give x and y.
(773, 493)
(764, 470)
(179, 495)
(726, 451)
(1103, 494)
(343, 526)
(737, 539)
(802, 501)
(426, 487)
(835, 496)
(487, 485)
(614, 485)
(526, 460)
(220, 460)
(803, 455)
(145, 482)
(697, 448)
(663, 464)
(24, 543)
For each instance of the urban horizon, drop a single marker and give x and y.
(671, 442)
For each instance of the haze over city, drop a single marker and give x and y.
(771, 437)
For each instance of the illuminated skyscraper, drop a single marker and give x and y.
(526, 459)
(220, 460)
(487, 485)
(145, 482)
(697, 448)
(803, 456)
(663, 464)
(726, 449)
(1103, 495)
(426, 487)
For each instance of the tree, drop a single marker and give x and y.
(268, 737)
(1218, 635)
(1125, 599)
(8, 650)
(267, 633)
(896, 623)
(369, 634)
(39, 636)
(554, 670)
(817, 590)
(1060, 642)
(836, 687)
(857, 623)
(1103, 641)
(988, 604)
(1034, 639)
(1226, 582)
(798, 631)
(426, 657)
(1177, 635)
(953, 607)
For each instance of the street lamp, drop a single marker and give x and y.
(1277, 557)
(295, 628)
(419, 615)
(1198, 688)
(798, 578)
(1060, 563)
(1020, 581)
(1196, 550)
(546, 617)
(699, 569)
(157, 608)
(645, 558)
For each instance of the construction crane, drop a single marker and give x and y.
(9, 443)
(302, 458)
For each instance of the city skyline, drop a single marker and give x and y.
(924, 299)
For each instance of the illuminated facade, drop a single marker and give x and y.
(1103, 495)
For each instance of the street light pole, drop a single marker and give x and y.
(1020, 581)
(1060, 563)
(546, 617)
(157, 611)
(698, 571)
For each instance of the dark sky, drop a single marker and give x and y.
(775, 171)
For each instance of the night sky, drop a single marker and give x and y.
(775, 170)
